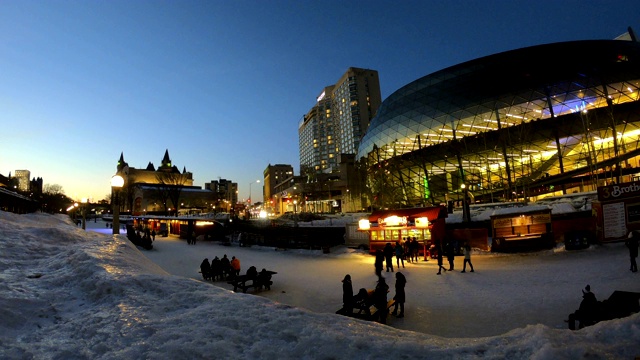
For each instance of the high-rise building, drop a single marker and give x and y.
(274, 175)
(226, 192)
(24, 181)
(338, 120)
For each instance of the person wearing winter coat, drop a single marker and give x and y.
(379, 262)
(216, 269)
(380, 300)
(205, 269)
(467, 257)
(439, 256)
(388, 255)
(225, 266)
(449, 249)
(632, 244)
(399, 255)
(401, 281)
(235, 266)
(347, 295)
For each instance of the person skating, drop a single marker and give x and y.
(632, 244)
(467, 257)
(401, 281)
(439, 256)
(450, 252)
(399, 255)
(388, 255)
(378, 264)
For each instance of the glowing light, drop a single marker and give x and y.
(422, 222)
(364, 224)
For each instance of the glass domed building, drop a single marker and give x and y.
(548, 119)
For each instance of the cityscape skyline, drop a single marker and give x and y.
(223, 86)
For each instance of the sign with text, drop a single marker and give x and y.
(618, 191)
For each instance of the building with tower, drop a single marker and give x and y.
(165, 189)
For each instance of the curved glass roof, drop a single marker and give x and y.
(510, 125)
(503, 90)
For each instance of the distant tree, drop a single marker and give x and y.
(52, 189)
(53, 199)
(169, 188)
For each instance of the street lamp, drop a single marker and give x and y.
(84, 213)
(250, 199)
(466, 213)
(116, 184)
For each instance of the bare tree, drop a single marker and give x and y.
(53, 189)
(170, 187)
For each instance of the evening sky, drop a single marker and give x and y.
(223, 85)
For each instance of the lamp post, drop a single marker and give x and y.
(84, 213)
(250, 199)
(466, 213)
(116, 184)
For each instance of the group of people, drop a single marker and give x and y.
(220, 268)
(449, 251)
(385, 256)
(377, 297)
(407, 249)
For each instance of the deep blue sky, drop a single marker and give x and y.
(223, 84)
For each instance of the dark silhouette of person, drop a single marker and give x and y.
(205, 269)
(415, 249)
(216, 269)
(378, 262)
(347, 296)
(362, 301)
(252, 273)
(588, 310)
(439, 256)
(235, 266)
(264, 279)
(401, 281)
(399, 255)
(467, 257)
(388, 256)
(450, 251)
(380, 300)
(225, 266)
(153, 235)
(632, 244)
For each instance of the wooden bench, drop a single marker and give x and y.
(374, 310)
(366, 309)
(262, 280)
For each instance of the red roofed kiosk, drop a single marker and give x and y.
(427, 225)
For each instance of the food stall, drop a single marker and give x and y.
(427, 225)
(617, 211)
(521, 228)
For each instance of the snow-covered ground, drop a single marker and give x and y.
(67, 293)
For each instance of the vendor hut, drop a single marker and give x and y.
(427, 225)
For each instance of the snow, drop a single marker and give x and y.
(67, 293)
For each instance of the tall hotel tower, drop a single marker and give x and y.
(338, 120)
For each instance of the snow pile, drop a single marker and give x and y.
(70, 294)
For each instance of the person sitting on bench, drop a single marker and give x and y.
(263, 279)
(205, 269)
